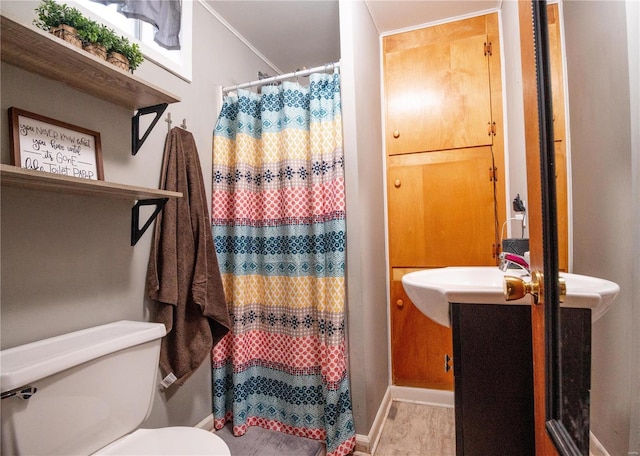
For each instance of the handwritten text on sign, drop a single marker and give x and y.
(55, 149)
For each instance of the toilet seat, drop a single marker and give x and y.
(169, 441)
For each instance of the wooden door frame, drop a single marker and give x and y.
(544, 445)
(551, 436)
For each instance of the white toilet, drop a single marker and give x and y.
(87, 392)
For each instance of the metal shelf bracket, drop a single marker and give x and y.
(136, 141)
(136, 231)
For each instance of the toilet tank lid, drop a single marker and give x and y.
(27, 363)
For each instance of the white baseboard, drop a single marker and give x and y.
(206, 423)
(595, 447)
(366, 443)
(438, 398)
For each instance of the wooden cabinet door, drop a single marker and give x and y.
(419, 345)
(437, 88)
(441, 209)
(444, 144)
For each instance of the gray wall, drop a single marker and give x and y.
(364, 168)
(606, 203)
(515, 157)
(66, 261)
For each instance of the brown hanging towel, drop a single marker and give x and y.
(183, 276)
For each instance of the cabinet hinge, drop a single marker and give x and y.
(495, 250)
(487, 49)
(493, 174)
(491, 129)
(447, 363)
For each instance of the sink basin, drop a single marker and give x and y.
(431, 290)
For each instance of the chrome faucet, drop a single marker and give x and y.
(507, 258)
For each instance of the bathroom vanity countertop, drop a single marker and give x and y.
(432, 290)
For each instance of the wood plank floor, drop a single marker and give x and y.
(412, 429)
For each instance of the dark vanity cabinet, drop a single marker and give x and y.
(575, 354)
(493, 372)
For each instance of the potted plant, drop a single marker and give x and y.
(60, 20)
(134, 55)
(95, 38)
(70, 25)
(124, 54)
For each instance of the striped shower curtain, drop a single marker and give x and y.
(279, 228)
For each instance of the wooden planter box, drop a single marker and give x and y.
(96, 49)
(67, 33)
(119, 60)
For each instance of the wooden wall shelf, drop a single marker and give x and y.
(40, 52)
(12, 176)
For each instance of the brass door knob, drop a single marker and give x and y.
(562, 289)
(516, 288)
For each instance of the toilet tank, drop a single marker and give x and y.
(92, 387)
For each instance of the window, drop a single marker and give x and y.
(177, 61)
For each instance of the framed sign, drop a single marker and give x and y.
(55, 147)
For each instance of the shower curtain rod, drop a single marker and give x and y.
(327, 67)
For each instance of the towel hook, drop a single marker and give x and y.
(168, 120)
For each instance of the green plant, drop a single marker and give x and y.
(49, 15)
(107, 39)
(52, 14)
(92, 32)
(88, 31)
(131, 51)
(73, 17)
(134, 55)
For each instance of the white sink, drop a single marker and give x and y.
(431, 290)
